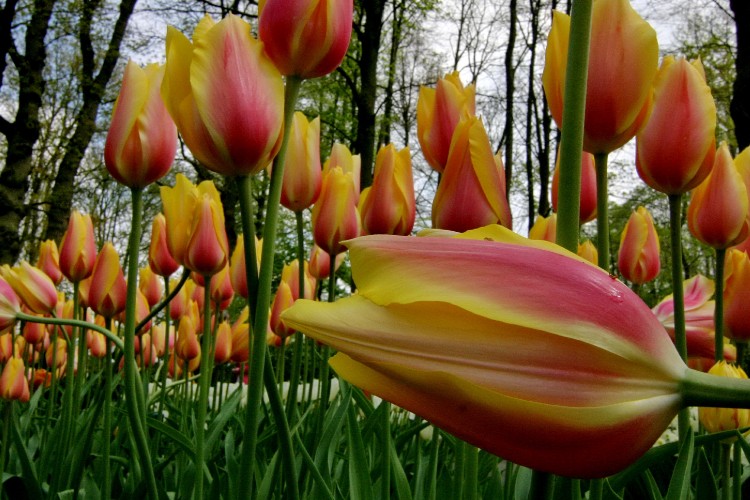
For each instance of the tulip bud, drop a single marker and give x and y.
(10, 305)
(587, 208)
(221, 288)
(179, 304)
(737, 295)
(187, 346)
(290, 275)
(306, 38)
(638, 257)
(6, 347)
(675, 149)
(544, 228)
(725, 419)
(349, 163)
(718, 212)
(471, 193)
(389, 206)
(78, 249)
(334, 216)
(33, 332)
(438, 112)
(623, 58)
(320, 262)
(142, 139)
(282, 301)
(225, 95)
(223, 343)
(302, 171)
(96, 343)
(588, 251)
(108, 292)
(160, 260)
(49, 261)
(150, 286)
(13, 382)
(56, 354)
(240, 342)
(237, 268)
(32, 286)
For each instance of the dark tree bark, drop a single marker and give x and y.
(740, 106)
(23, 132)
(510, 88)
(399, 10)
(93, 88)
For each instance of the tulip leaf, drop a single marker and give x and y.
(325, 450)
(228, 410)
(743, 444)
(705, 482)
(264, 490)
(609, 493)
(653, 488)
(33, 489)
(680, 483)
(360, 484)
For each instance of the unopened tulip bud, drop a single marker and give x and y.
(320, 263)
(160, 260)
(13, 382)
(10, 305)
(78, 248)
(223, 343)
(334, 216)
(587, 208)
(32, 286)
(221, 288)
(544, 228)
(389, 206)
(49, 261)
(187, 346)
(108, 292)
(150, 285)
(588, 251)
(282, 301)
(725, 419)
(638, 258)
(302, 172)
(737, 295)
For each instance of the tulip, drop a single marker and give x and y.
(108, 292)
(587, 208)
(675, 149)
(282, 301)
(349, 163)
(320, 262)
(6, 347)
(306, 38)
(302, 172)
(33, 332)
(699, 317)
(150, 286)
(438, 112)
(13, 382)
(32, 286)
(78, 248)
(225, 95)
(49, 261)
(187, 346)
(159, 339)
(59, 351)
(237, 269)
(389, 206)
(638, 257)
(471, 192)
(718, 212)
(241, 338)
(588, 251)
(725, 419)
(515, 335)
(221, 288)
(96, 343)
(142, 139)
(737, 295)
(544, 228)
(290, 275)
(622, 64)
(10, 305)
(223, 343)
(160, 260)
(179, 304)
(335, 217)
(141, 311)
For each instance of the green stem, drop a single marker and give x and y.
(164, 303)
(165, 356)
(291, 400)
(571, 146)
(260, 317)
(675, 231)
(204, 382)
(719, 306)
(248, 238)
(471, 468)
(81, 375)
(117, 341)
(136, 408)
(107, 426)
(386, 457)
(7, 412)
(736, 472)
(702, 389)
(602, 210)
(541, 485)
(725, 466)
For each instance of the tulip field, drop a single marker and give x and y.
(389, 357)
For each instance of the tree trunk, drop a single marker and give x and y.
(23, 133)
(510, 90)
(740, 106)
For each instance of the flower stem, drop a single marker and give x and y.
(602, 210)
(204, 382)
(571, 145)
(702, 389)
(136, 409)
(117, 341)
(107, 425)
(291, 399)
(260, 316)
(719, 305)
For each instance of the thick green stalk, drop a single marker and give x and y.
(737, 471)
(291, 399)
(702, 389)
(107, 426)
(602, 210)
(248, 238)
(204, 382)
(263, 299)
(165, 357)
(571, 146)
(719, 305)
(132, 383)
(675, 231)
(471, 468)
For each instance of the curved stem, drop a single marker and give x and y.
(164, 303)
(263, 299)
(117, 341)
(136, 409)
(719, 306)
(571, 146)
(602, 210)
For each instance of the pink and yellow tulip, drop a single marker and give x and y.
(32, 286)
(718, 212)
(108, 292)
(389, 206)
(622, 64)
(587, 207)
(471, 193)
(10, 305)
(438, 112)
(302, 172)
(565, 385)
(306, 38)
(737, 295)
(282, 301)
(544, 228)
(225, 95)
(335, 217)
(160, 260)
(725, 419)
(675, 149)
(320, 263)
(13, 382)
(49, 261)
(638, 258)
(78, 248)
(142, 138)
(150, 286)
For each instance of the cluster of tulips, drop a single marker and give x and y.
(468, 321)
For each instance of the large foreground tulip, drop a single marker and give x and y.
(520, 338)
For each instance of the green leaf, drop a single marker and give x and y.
(680, 483)
(653, 488)
(228, 410)
(705, 482)
(400, 481)
(360, 484)
(33, 488)
(264, 490)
